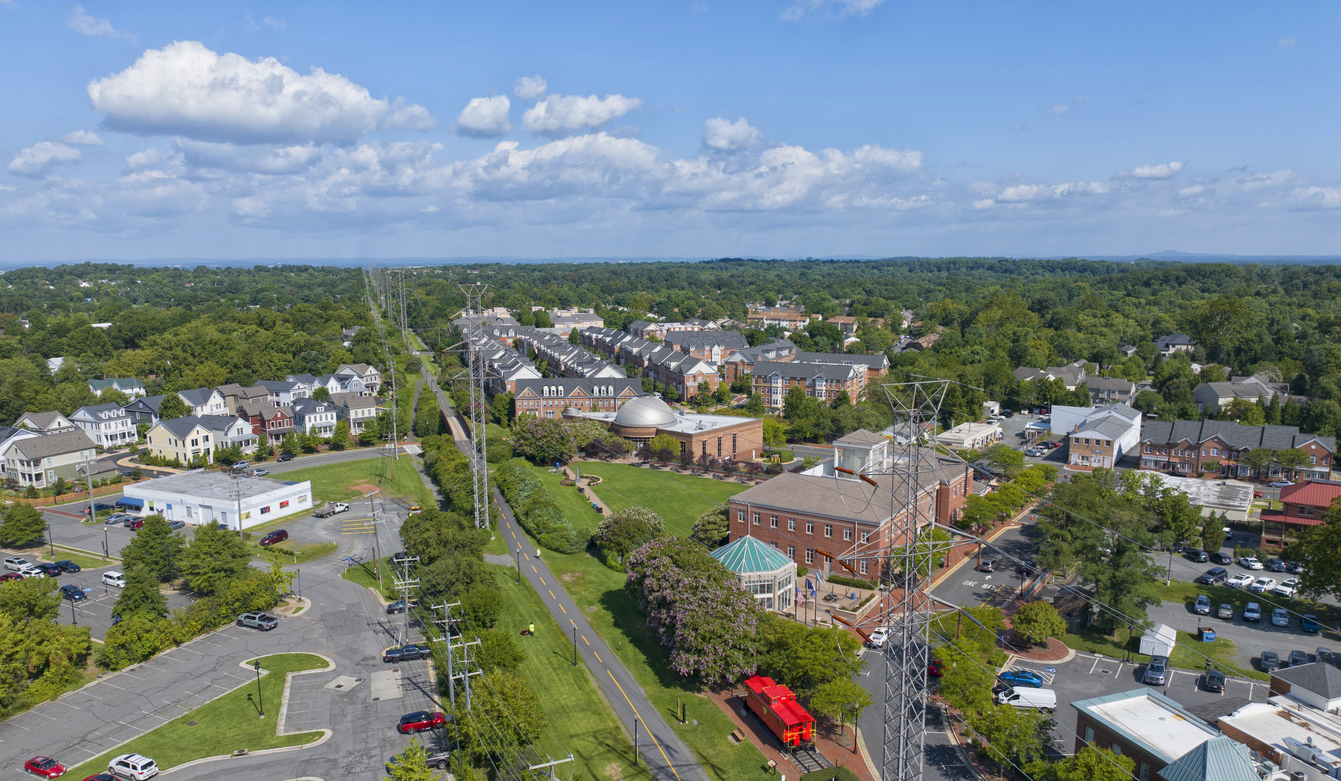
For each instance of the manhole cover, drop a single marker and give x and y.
(192, 723)
(375, 699)
(1103, 672)
(358, 680)
(339, 686)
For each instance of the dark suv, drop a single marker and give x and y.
(406, 653)
(1213, 576)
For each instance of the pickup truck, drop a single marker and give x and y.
(330, 509)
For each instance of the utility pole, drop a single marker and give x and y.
(478, 415)
(406, 586)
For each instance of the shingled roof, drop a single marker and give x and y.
(1238, 437)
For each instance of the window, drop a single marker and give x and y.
(828, 530)
(1215, 451)
(810, 555)
(1089, 734)
(791, 551)
(810, 527)
(773, 521)
(791, 524)
(1306, 511)
(1116, 748)
(865, 536)
(847, 535)
(1145, 772)
(740, 516)
(755, 518)
(862, 567)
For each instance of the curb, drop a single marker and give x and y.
(947, 573)
(865, 755)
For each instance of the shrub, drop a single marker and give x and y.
(830, 774)
(535, 508)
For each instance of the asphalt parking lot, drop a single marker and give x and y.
(969, 587)
(95, 611)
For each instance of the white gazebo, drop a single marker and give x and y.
(763, 571)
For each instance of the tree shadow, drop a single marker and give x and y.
(630, 622)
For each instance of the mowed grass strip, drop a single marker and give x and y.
(574, 506)
(222, 726)
(579, 717)
(334, 482)
(678, 498)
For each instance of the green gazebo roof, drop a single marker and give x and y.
(750, 555)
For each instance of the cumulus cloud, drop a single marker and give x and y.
(38, 159)
(146, 158)
(1026, 194)
(839, 8)
(188, 90)
(81, 22)
(1062, 108)
(560, 115)
(727, 136)
(250, 158)
(485, 117)
(408, 116)
(1160, 171)
(1318, 197)
(530, 87)
(82, 138)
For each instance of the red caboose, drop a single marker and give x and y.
(777, 706)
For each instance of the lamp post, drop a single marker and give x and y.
(259, 700)
(74, 619)
(51, 543)
(574, 645)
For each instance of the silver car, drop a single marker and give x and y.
(1157, 672)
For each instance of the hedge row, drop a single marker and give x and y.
(536, 509)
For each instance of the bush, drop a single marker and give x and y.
(839, 580)
(535, 508)
(830, 774)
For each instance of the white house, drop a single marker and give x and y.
(108, 425)
(236, 502)
(283, 392)
(229, 430)
(130, 386)
(362, 378)
(45, 422)
(314, 417)
(204, 401)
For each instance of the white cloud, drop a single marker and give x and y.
(429, 210)
(79, 20)
(1318, 197)
(408, 116)
(530, 87)
(1032, 193)
(560, 115)
(254, 26)
(839, 8)
(1256, 181)
(147, 158)
(82, 138)
(39, 158)
(185, 89)
(1160, 171)
(1188, 192)
(1287, 43)
(250, 158)
(485, 117)
(1062, 108)
(726, 136)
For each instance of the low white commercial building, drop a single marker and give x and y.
(970, 436)
(201, 496)
(1213, 497)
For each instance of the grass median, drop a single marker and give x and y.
(347, 480)
(220, 727)
(678, 498)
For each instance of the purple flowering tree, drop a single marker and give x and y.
(697, 608)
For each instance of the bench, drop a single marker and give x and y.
(738, 736)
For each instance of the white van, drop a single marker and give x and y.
(1029, 698)
(114, 578)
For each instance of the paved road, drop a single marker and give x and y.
(969, 587)
(943, 759)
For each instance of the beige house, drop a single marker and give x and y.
(39, 461)
(181, 438)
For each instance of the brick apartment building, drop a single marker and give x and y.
(549, 397)
(1217, 446)
(823, 381)
(821, 514)
(743, 361)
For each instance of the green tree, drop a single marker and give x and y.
(1089, 764)
(628, 529)
(711, 528)
(214, 557)
(30, 599)
(498, 649)
(1037, 621)
(482, 605)
(841, 700)
(806, 657)
(322, 394)
(1320, 546)
(411, 764)
(794, 403)
(340, 439)
(290, 446)
(1013, 735)
(22, 524)
(1005, 459)
(754, 405)
(505, 716)
(743, 383)
(664, 447)
(172, 407)
(155, 547)
(141, 595)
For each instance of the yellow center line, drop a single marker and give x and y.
(564, 609)
(649, 732)
(542, 580)
(533, 569)
(598, 656)
(585, 640)
(514, 534)
(551, 595)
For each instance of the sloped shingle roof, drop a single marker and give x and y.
(1320, 678)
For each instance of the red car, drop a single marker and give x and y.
(10, 576)
(278, 535)
(45, 767)
(103, 777)
(420, 721)
(135, 523)
(934, 668)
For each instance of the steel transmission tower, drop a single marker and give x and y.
(908, 609)
(479, 465)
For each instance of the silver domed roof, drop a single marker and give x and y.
(644, 412)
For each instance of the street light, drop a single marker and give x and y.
(259, 700)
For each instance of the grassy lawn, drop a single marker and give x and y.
(678, 498)
(222, 726)
(366, 575)
(1186, 593)
(575, 507)
(332, 482)
(495, 430)
(287, 553)
(599, 591)
(579, 717)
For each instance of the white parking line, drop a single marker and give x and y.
(1096, 664)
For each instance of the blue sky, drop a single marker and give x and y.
(699, 128)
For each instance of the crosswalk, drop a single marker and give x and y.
(357, 526)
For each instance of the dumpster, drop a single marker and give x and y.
(1205, 634)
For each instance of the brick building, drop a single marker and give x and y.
(1302, 505)
(718, 436)
(821, 514)
(1143, 725)
(549, 397)
(743, 361)
(823, 381)
(1217, 447)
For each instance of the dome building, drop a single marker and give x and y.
(718, 436)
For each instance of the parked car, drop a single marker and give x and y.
(438, 759)
(135, 767)
(1326, 655)
(399, 606)
(16, 563)
(1275, 565)
(1280, 483)
(50, 570)
(114, 578)
(406, 653)
(1225, 611)
(67, 566)
(241, 465)
(100, 506)
(415, 509)
(1279, 617)
(278, 535)
(1258, 494)
(1018, 678)
(1262, 585)
(259, 621)
(1253, 612)
(1202, 606)
(1297, 658)
(117, 518)
(134, 524)
(1309, 623)
(1032, 699)
(46, 767)
(1198, 555)
(1213, 681)
(1240, 580)
(8, 576)
(1213, 576)
(1294, 567)
(934, 668)
(1250, 562)
(1157, 671)
(420, 721)
(878, 637)
(1288, 587)
(987, 565)
(1270, 661)
(284, 457)
(73, 593)
(32, 571)
(175, 525)
(1222, 558)
(260, 472)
